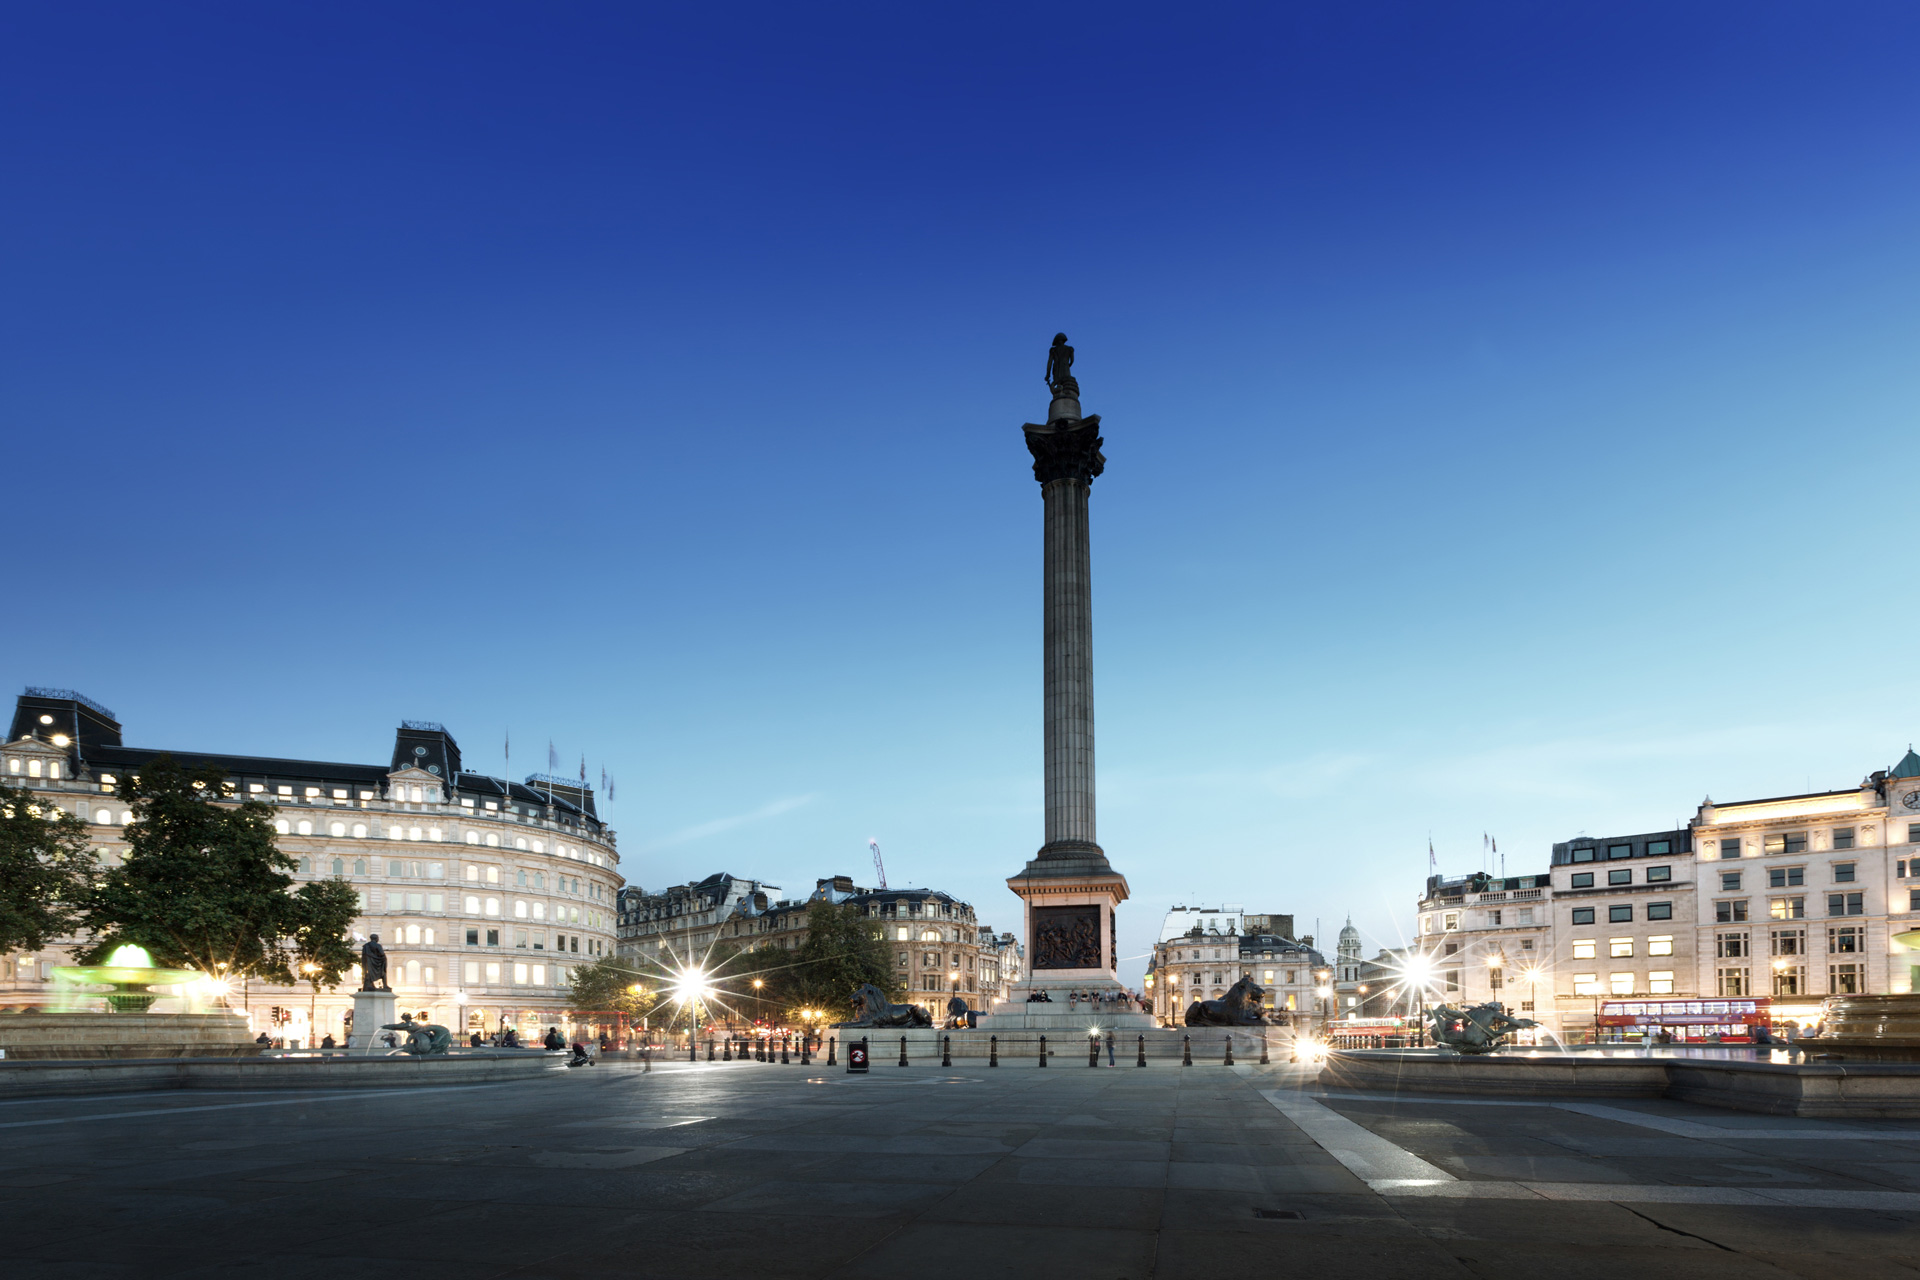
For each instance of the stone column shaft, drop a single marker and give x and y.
(1069, 664)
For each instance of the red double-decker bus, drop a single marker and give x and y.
(1690, 1021)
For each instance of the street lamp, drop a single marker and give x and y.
(313, 996)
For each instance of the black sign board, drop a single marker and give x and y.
(857, 1057)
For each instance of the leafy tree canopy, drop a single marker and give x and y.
(204, 886)
(607, 986)
(46, 870)
(843, 950)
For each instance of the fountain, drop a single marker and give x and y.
(131, 974)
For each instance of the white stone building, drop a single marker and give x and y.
(485, 894)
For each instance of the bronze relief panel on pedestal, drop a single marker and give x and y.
(1066, 937)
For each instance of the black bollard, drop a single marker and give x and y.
(1043, 1051)
(646, 1058)
(693, 1050)
(726, 1049)
(1263, 1050)
(1186, 1051)
(1142, 1061)
(709, 1048)
(832, 1043)
(785, 1060)
(903, 1051)
(946, 1051)
(806, 1049)
(1229, 1061)
(1093, 1051)
(993, 1051)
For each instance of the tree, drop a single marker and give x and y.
(205, 887)
(606, 986)
(844, 950)
(319, 924)
(46, 870)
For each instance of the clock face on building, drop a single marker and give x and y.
(1911, 799)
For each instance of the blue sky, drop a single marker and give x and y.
(1508, 413)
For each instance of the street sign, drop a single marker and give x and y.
(857, 1057)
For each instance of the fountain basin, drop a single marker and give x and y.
(1882, 1090)
(1868, 1029)
(37, 1034)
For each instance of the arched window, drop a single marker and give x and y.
(393, 833)
(33, 768)
(306, 866)
(104, 816)
(413, 934)
(519, 909)
(539, 880)
(413, 973)
(126, 817)
(539, 911)
(303, 827)
(283, 826)
(337, 829)
(359, 866)
(473, 837)
(426, 936)
(493, 906)
(414, 794)
(519, 842)
(493, 840)
(339, 867)
(473, 905)
(539, 846)
(413, 833)
(433, 833)
(359, 831)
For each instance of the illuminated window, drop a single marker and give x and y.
(519, 909)
(1619, 948)
(285, 791)
(1660, 946)
(519, 842)
(1788, 908)
(493, 906)
(284, 827)
(493, 839)
(303, 827)
(413, 934)
(1660, 982)
(1449, 922)
(433, 833)
(473, 905)
(539, 975)
(1584, 948)
(1622, 983)
(539, 911)
(493, 875)
(520, 974)
(473, 837)
(493, 972)
(312, 792)
(1586, 984)
(539, 846)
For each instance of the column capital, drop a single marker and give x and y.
(1066, 449)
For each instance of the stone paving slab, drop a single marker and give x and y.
(786, 1171)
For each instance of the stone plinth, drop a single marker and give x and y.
(372, 1010)
(36, 1035)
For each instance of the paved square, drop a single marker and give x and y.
(757, 1169)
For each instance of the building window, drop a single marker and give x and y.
(1846, 904)
(1622, 983)
(1913, 904)
(1730, 946)
(1659, 911)
(1581, 880)
(1729, 882)
(336, 828)
(1620, 948)
(1659, 848)
(471, 970)
(1730, 847)
(359, 831)
(1789, 980)
(1782, 877)
(1733, 982)
(1794, 908)
(1583, 915)
(1845, 939)
(1450, 922)
(1620, 875)
(1582, 855)
(1586, 984)
(1788, 942)
(1620, 913)
(1493, 919)
(282, 826)
(339, 866)
(1660, 982)
(359, 866)
(1659, 875)
(1785, 842)
(1843, 979)
(1583, 948)
(1843, 837)
(1526, 916)
(1913, 833)
(1619, 851)
(1843, 872)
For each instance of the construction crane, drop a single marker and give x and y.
(879, 867)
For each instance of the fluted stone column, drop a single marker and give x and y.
(1066, 458)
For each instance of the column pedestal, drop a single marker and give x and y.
(372, 1010)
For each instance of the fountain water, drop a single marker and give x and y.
(131, 974)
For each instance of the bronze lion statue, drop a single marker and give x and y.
(871, 1008)
(1240, 1007)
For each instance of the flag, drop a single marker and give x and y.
(583, 771)
(1494, 843)
(1433, 865)
(603, 778)
(553, 758)
(609, 788)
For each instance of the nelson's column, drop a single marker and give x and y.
(1069, 889)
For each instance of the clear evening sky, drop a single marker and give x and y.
(1509, 414)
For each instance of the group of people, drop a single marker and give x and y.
(1128, 1000)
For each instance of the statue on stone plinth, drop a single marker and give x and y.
(871, 1008)
(1240, 1007)
(1060, 377)
(373, 966)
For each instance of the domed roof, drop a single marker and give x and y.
(1909, 766)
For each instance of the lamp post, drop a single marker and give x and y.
(1495, 963)
(1325, 993)
(313, 996)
